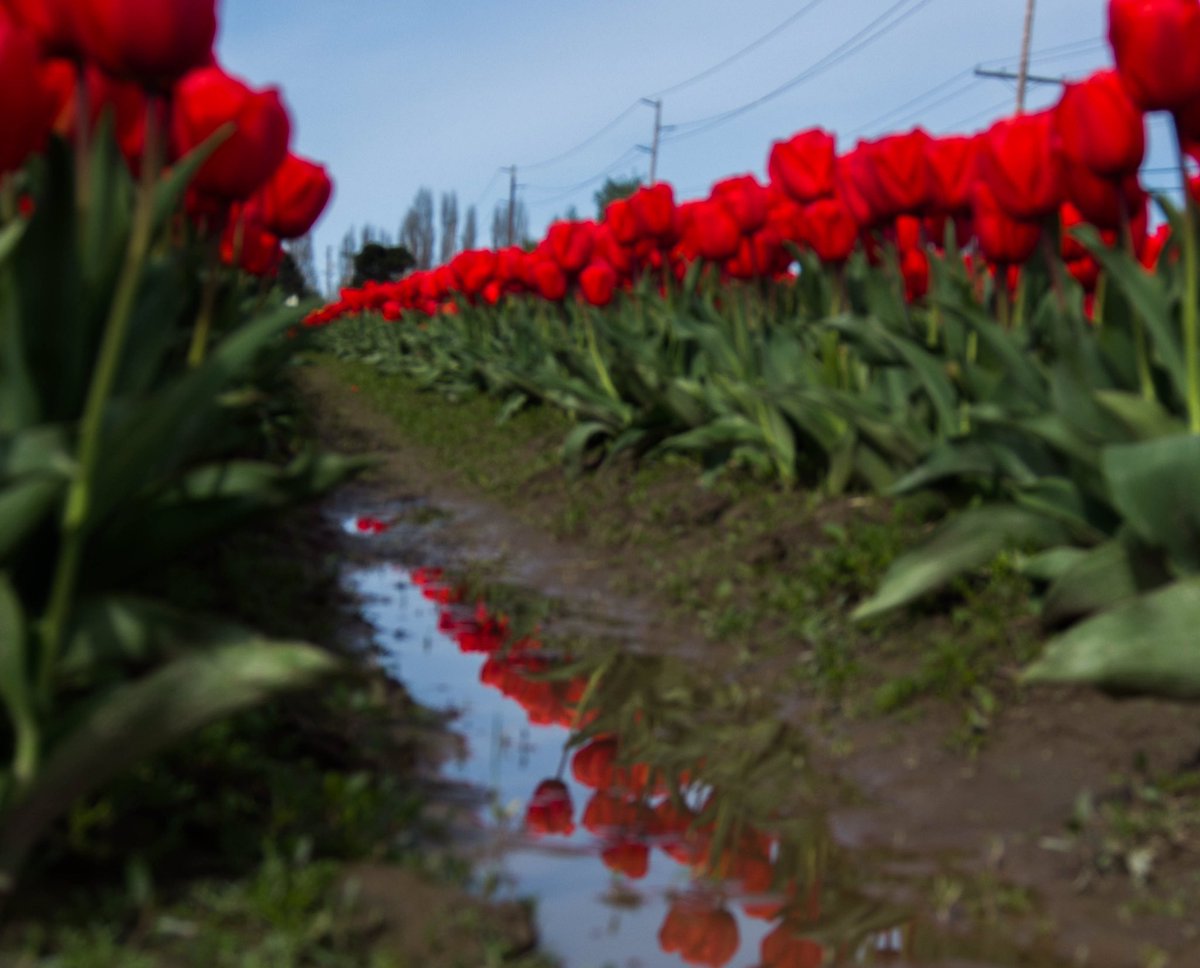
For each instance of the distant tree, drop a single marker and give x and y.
(449, 226)
(346, 257)
(614, 188)
(417, 233)
(380, 263)
(305, 259)
(290, 277)
(470, 231)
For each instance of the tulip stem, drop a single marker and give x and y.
(1141, 350)
(83, 148)
(1191, 296)
(208, 304)
(75, 521)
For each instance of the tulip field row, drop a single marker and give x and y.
(989, 316)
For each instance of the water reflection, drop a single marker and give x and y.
(659, 814)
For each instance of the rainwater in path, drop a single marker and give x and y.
(649, 830)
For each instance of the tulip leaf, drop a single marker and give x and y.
(967, 541)
(145, 716)
(15, 688)
(1146, 645)
(1100, 578)
(1153, 486)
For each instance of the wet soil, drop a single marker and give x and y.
(1014, 806)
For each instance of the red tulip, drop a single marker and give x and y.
(653, 209)
(803, 166)
(785, 948)
(1019, 163)
(207, 100)
(901, 178)
(1101, 200)
(294, 197)
(620, 219)
(699, 932)
(1100, 127)
(745, 199)
(247, 245)
(550, 810)
(473, 270)
(628, 858)
(1002, 239)
(714, 232)
(24, 105)
(1154, 44)
(152, 42)
(853, 175)
(597, 283)
(952, 164)
(830, 230)
(914, 267)
(548, 280)
(52, 23)
(570, 245)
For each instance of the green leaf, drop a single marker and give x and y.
(579, 441)
(143, 717)
(1153, 485)
(1100, 578)
(1147, 645)
(968, 540)
(10, 238)
(15, 687)
(1146, 419)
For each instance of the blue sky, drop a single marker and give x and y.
(394, 96)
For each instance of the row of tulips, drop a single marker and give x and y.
(132, 370)
(988, 317)
(660, 783)
(1001, 188)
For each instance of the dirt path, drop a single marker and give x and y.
(1120, 889)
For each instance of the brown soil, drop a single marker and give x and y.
(1002, 809)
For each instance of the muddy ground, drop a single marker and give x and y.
(1077, 797)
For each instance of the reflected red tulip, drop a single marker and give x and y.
(700, 931)
(550, 811)
(628, 858)
(785, 948)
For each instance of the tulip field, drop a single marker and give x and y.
(1005, 322)
(990, 316)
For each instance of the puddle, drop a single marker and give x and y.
(655, 817)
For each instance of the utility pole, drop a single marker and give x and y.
(1026, 45)
(1029, 78)
(655, 103)
(512, 201)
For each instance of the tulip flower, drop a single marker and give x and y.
(745, 199)
(1020, 164)
(619, 217)
(700, 932)
(830, 230)
(247, 245)
(952, 167)
(784, 948)
(1098, 126)
(628, 858)
(207, 100)
(653, 209)
(473, 270)
(597, 283)
(24, 105)
(901, 177)
(570, 245)
(714, 231)
(52, 22)
(1154, 44)
(294, 197)
(1003, 240)
(548, 280)
(152, 42)
(803, 166)
(550, 810)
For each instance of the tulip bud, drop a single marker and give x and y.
(803, 166)
(24, 105)
(1097, 125)
(294, 197)
(1154, 43)
(1019, 163)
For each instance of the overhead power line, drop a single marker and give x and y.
(877, 28)
(915, 103)
(591, 139)
(753, 45)
(565, 192)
